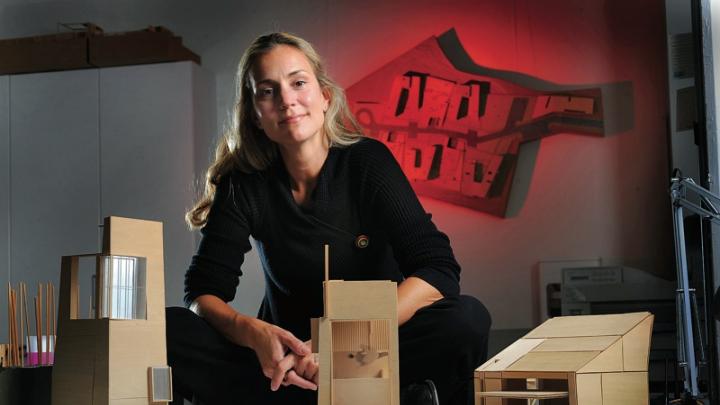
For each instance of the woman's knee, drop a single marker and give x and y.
(476, 315)
(178, 318)
(463, 320)
(186, 330)
(467, 316)
(466, 323)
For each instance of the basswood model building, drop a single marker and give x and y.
(576, 360)
(357, 343)
(117, 354)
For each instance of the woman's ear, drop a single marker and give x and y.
(327, 97)
(255, 116)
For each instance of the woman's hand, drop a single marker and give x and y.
(271, 343)
(277, 349)
(306, 366)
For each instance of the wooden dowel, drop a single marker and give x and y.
(26, 320)
(9, 324)
(22, 328)
(47, 323)
(38, 330)
(27, 317)
(327, 262)
(54, 313)
(41, 350)
(13, 357)
(16, 347)
(54, 316)
(15, 328)
(12, 330)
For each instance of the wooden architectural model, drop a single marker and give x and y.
(118, 356)
(576, 360)
(357, 343)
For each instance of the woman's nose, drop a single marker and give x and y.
(287, 97)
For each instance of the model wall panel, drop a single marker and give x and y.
(147, 154)
(128, 375)
(53, 172)
(84, 367)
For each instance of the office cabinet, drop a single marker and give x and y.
(77, 146)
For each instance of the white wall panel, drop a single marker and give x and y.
(4, 196)
(54, 172)
(147, 155)
(251, 290)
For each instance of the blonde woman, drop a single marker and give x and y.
(294, 173)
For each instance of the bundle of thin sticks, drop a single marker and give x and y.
(19, 337)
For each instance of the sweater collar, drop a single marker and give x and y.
(320, 196)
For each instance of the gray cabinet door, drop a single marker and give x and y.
(54, 182)
(147, 154)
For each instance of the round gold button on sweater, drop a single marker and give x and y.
(362, 241)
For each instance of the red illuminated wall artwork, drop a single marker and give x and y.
(456, 128)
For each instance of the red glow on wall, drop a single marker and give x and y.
(456, 127)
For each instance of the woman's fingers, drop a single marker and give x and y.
(292, 370)
(294, 344)
(298, 367)
(294, 379)
(307, 368)
(314, 369)
(280, 372)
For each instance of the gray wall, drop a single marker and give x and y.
(54, 182)
(85, 144)
(147, 153)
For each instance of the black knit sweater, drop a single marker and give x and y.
(360, 190)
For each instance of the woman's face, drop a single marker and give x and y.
(288, 100)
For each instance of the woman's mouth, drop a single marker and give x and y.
(292, 119)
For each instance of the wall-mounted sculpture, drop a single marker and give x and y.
(456, 127)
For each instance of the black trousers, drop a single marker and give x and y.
(443, 342)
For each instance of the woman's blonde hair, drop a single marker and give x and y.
(244, 145)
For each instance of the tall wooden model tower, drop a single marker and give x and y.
(357, 343)
(118, 356)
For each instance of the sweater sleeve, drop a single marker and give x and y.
(215, 268)
(420, 249)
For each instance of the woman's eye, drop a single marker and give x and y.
(265, 92)
(300, 83)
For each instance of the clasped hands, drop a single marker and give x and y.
(285, 359)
